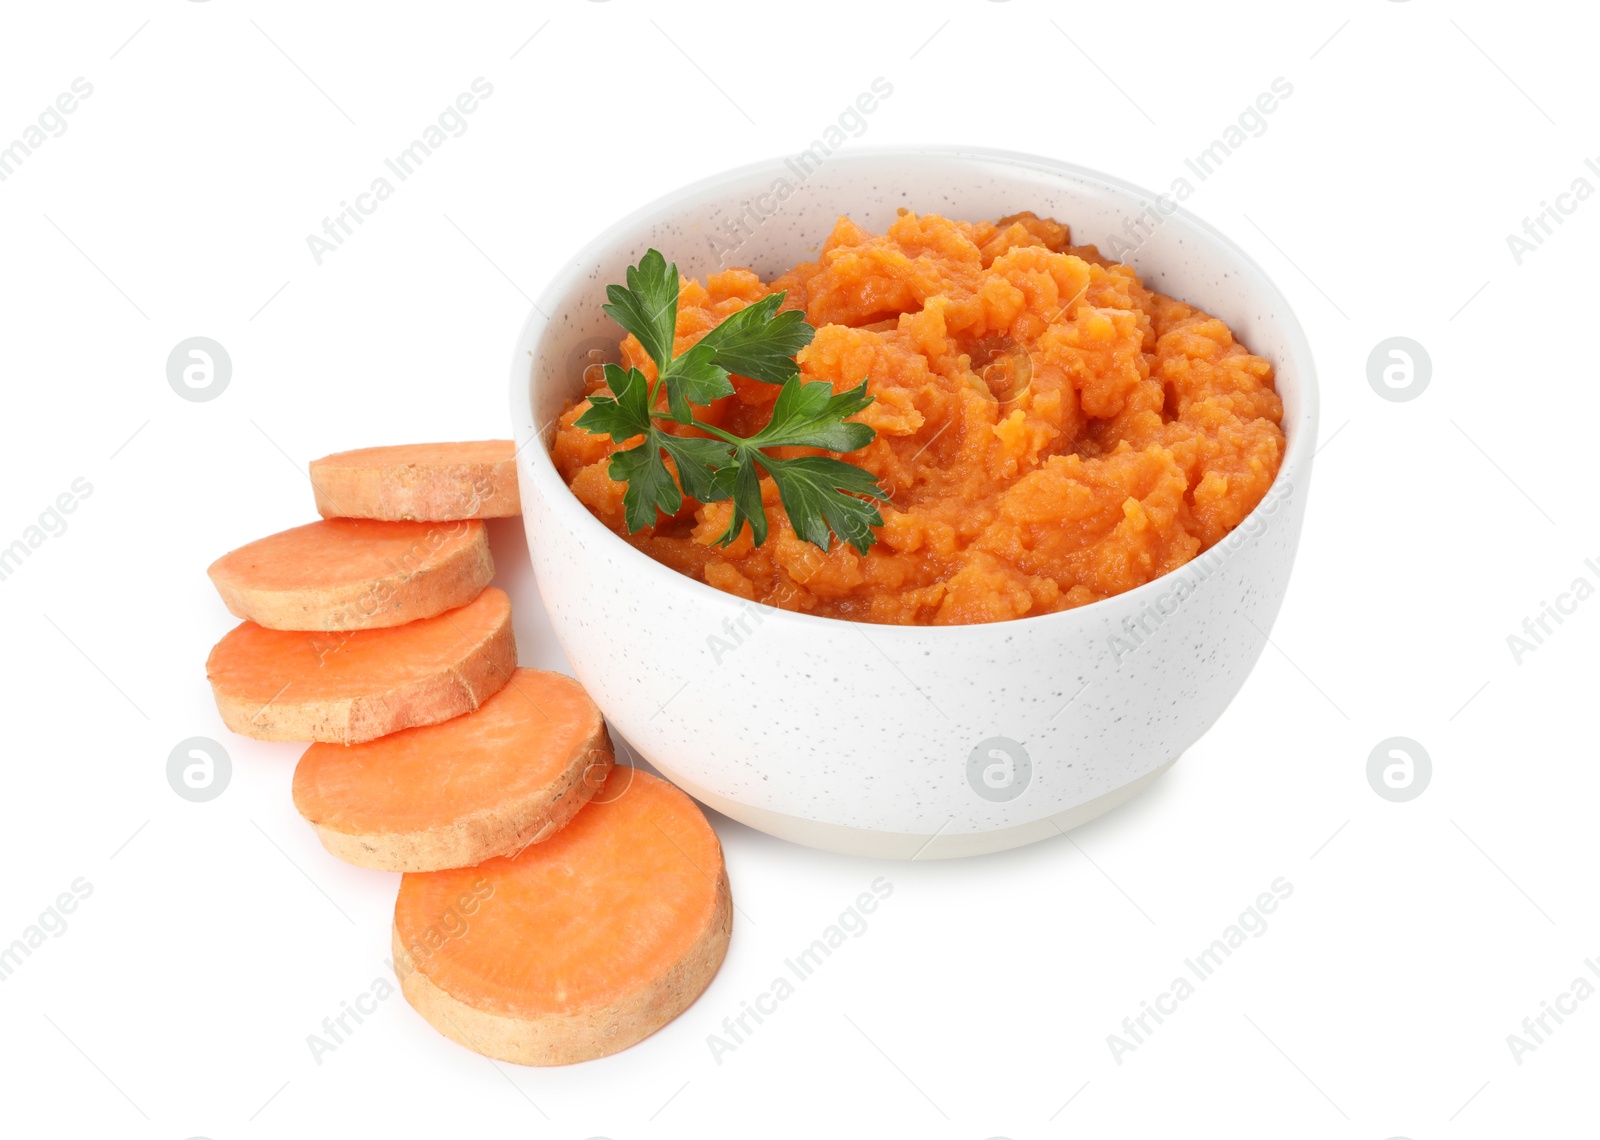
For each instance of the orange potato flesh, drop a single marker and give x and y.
(343, 574)
(355, 686)
(434, 482)
(1050, 430)
(579, 946)
(488, 783)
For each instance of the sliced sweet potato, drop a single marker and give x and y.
(579, 946)
(431, 482)
(342, 574)
(344, 688)
(454, 794)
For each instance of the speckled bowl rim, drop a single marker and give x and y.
(1301, 432)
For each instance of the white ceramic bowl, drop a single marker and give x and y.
(886, 740)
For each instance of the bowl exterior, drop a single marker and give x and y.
(863, 726)
(953, 731)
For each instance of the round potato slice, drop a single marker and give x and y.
(453, 794)
(344, 688)
(342, 574)
(580, 946)
(430, 482)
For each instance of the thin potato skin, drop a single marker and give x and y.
(438, 482)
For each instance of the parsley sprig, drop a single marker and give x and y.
(822, 496)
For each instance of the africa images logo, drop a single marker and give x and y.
(999, 769)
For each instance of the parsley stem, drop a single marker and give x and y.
(736, 441)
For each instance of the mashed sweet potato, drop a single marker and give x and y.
(1050, 431)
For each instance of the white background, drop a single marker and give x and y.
(219, 935)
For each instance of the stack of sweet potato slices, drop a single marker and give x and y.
(553, 907)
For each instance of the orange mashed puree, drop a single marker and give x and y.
(1050, 431)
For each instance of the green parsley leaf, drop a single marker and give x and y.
(698, 461)
(810, 415)
(819, 495)
(624, 415)
(742, 484)
(756, 343)
(650, 485)
(823, 496)
(648, 307)
(695, 378)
